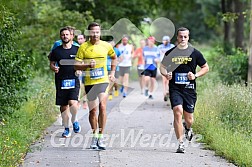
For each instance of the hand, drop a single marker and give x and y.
(191, 76)
(56, 69)
(78, 73)
(112, 78)
(168, 76)
(92, 63)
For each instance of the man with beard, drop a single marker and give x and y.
(66, 82)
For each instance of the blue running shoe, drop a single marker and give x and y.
(124, 94)
(121, 89)
(66, 133)
(76, 127)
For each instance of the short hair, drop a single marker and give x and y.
(82, 35)
(93, 24)
(63, 29)
(183, 29)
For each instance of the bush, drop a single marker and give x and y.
(232, 68)
(15, 68)
(27, 124)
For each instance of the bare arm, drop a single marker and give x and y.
(78, 65)
(164, 72)
(203, 70)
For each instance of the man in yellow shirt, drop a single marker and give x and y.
(92, 59)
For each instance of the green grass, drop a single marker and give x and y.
(27, 124)
(223, 116)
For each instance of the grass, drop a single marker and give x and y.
(223, 116)
(27, 124)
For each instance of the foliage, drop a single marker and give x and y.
(231, 68)
(15, 68)
(26, 125)
(42, 29)
(226, 123)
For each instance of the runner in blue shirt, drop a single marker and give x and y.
(163, 48)
(151, 58)
(118, 54)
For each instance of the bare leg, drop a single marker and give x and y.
(178, 113)
(92, 115)
(102, 112)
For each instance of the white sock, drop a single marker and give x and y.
(65, 118)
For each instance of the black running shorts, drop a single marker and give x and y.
(150, 73)
(182, 97)
(64, 95)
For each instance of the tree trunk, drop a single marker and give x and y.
(239, 24)
(250, 50)
(226, 7)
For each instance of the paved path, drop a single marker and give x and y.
(139, 134)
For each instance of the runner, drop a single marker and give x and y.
(59, 42)
(164, 47)
(125, 63)
(179, 66)
(92, 58)
(140, 63)
(81, 39)
(66, 82)
(115, 84)
(151, 58)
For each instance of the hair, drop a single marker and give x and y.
(182, 29)
(63, 29)
(82, 35)
(93, 24)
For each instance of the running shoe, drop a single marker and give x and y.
(94, 143)
(146, 92)
(110, 97)
(166, 97)
(124, 94)
(151, 97)
(181, 148)
(76, 127)
(101, 145)
(66, 133)
(188, 132)
(121, 89)
(116, 93)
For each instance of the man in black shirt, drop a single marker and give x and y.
(66, 82)
(179, 66)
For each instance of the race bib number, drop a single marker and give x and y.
(97, 73)
(149, 61)
(68, 84)
(181, 78)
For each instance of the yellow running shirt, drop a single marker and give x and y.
(99, 53)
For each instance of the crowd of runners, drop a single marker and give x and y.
(91, 72)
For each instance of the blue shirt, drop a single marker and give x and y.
(59, 42)
(109, 61)
(150, 54)
(164, 48)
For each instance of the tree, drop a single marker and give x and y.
(250, 51)
(239, 23)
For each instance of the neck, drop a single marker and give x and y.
(182, 47)
(67, 45)
(94, 42)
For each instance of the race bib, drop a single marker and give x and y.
(140, 67)
(181, 78)
(149, 61)
(97, 73)
(68, 84)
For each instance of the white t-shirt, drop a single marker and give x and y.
(125, 51)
